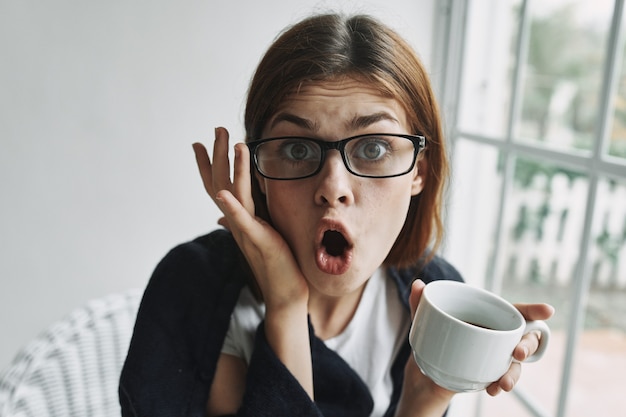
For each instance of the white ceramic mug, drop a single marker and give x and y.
(463, 337)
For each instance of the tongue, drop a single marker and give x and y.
(329, 264)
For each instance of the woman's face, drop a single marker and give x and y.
(356, 219)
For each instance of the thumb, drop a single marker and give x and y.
(223, 221)
(416, 293)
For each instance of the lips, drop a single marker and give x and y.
(334, 248)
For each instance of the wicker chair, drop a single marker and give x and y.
(72, 368)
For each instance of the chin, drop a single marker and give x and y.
(337, 285)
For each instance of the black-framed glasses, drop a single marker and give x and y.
(375, 155)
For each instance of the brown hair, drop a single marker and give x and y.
(324, 47)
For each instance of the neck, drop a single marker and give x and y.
(330, 315)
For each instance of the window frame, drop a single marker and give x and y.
(450, 28)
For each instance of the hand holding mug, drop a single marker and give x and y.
(464, 338)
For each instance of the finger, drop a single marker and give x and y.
(527, 346)
(242, 188)
(204, 166)
(239, 220)
(535, 311)
(507, 381)
(223, 221)
(494, 389)
(416, 293)
(221, 163)
(510, 378)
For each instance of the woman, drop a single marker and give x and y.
(303, 306)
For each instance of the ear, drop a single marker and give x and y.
(419, 177)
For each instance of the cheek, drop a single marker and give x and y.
(389, 205)
(285, 204)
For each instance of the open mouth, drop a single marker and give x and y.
(334, 252)
(334, 243)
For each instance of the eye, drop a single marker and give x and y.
(297, 150)
(371, 149)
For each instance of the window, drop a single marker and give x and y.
(534, 99)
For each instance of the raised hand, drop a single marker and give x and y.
(270, 257)
(283, 286)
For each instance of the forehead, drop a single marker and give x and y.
(337, 101)
(342, 90)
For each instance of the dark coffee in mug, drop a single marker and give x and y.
(479, 325)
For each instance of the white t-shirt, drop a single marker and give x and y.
(369, 343)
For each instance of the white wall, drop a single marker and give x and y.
(99, 104)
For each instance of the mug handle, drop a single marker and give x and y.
(541, 327)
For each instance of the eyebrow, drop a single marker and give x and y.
(296, 120)
(358, 122)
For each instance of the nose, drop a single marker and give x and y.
(334, 182)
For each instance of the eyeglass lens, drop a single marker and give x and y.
(370, 156)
